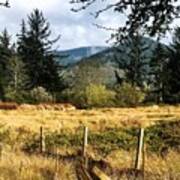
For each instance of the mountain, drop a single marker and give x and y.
(72, 56)
(102, 67)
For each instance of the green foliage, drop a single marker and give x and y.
(39, 95)
(16, 96)
(35, 49)
(111, 140)
(173, 65)
(31, 144)
(5, 54)
(163, 135)
(135, 60)
(128, 95)
(103, 142)
(94, 96)
(98, 96)
(18, 80)
(159, 73)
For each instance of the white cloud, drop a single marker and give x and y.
(76, 28)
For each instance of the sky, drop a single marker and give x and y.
(76, 29)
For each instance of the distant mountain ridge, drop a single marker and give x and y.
(72, 56)
(102, 64)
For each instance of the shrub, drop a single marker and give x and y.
(40, 95)
(127, 95)
(159, 137)
(15, 96)
(98, 95)
(163, 136)
(93, 96)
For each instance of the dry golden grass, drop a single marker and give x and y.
(22, 167)
(95, 119)
(19, 166)
(15, 165)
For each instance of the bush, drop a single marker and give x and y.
(127, 95)
(98, 95)
(165, 135)
(39, 95)
(16, 96)
(93, 96)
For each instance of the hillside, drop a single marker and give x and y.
(72, 56)
(103, 66)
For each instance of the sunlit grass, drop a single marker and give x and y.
(20, 124)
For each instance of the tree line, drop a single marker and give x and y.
(30, 62)
(158, 74)
(28, 68)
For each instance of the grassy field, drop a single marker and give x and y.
(112, 139)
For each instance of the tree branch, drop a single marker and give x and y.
(152, 17)
(83, 7)
(5, 4)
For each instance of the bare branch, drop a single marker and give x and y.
(150, 17)
(105, 28)
(86, 4)
(5, 4)
(109, 6)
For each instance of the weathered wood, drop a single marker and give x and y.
(82, 173)
(139, 149)
(144, 160)
(85, 144)
(1, 150)
(57, 161)
(99, 174)
(42, 141)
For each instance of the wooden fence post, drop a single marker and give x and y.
(42, 140)
(1, 150)
(144, 160)
(85, 143)
(56, 176)
(139, 149)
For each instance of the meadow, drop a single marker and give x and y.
(112, 140)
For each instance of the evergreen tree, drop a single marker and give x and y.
(5, 54)
(22, 38)
(174, 69)
(17, 80)
(158, 72)
(135, 60)
(35, 49)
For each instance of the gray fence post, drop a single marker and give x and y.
(139, 149)
(85, 144)
(42, 141)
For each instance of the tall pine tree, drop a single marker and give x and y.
(174, 69)
(158, 72)
(134, 62)
(35, 48)
(5, 55)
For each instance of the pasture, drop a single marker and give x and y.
(112, 140)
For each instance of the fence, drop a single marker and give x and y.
(84, 172)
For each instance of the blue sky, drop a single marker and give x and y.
(76, 29)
